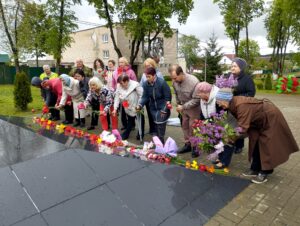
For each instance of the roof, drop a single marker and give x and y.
(4, 58)
(230, 56)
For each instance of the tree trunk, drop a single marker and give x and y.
(13, 47)
(247, 44)
(60, 35)
(110, 25)
(36, 57)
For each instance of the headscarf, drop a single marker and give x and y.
(224, 94)
(36, 81)
(241, 63)
(66, 78)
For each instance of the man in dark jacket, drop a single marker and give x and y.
(245, 87)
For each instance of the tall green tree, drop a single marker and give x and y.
(251, 9)
(189, 49)
(33, 30)
(213, 57)
(62, 25)
(233, 20)
(10, 17)
(142, 18)
(249, 50)
(279, 27)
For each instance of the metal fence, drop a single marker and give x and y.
(8, 73)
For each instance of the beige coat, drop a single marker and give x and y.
(265, 124)
(185, 92)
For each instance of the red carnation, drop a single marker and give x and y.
(125, 104)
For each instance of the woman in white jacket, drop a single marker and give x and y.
(71, 88)
(128, 93)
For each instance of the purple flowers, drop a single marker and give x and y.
(226, 82)
(213, 131)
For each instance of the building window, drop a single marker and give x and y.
(105, 38)
(105, 54)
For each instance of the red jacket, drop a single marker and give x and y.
(55, 86)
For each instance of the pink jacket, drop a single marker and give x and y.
(127, 70)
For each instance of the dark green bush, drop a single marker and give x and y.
(22, 91)
(268, 82)
(259, 84)
(167, 78)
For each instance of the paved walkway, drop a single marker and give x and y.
(276, 202)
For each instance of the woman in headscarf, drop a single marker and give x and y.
(71, 88)
(270, 138)
(245, 87)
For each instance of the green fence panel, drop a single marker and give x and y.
(7, 73)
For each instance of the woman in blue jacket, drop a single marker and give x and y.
(158, 94)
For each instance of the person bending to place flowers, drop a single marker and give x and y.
(128, 93)
(99, 92)
(270, 138)
(71, 88)
(209, 107)
(158, 94)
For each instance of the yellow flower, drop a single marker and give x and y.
(226, 170)
(99, 140)
(60, 128)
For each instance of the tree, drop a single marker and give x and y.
(22, 91)
(62, 25)
(142, 18)
(213, 57)
(11, 14)
(189, 49)
(33, 30)
(233, 20)
(249, 51)
(279, 26)
(250, 9)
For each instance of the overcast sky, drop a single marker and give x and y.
(204, 19)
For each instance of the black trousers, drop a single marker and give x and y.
(130, 125)
(256, 163)
(152, 128)
(225, 156)
(160, 131)
(95, 115)
(69, 113)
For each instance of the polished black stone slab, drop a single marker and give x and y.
(56, 178)
(72, 186)
(18, 144)
(111, 167)
(14, 203)
(35, 220)
(93, 208)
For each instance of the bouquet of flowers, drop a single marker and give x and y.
(209, 134)
(226, 82)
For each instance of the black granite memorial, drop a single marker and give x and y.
(50, 179)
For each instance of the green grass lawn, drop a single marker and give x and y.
(7, 102)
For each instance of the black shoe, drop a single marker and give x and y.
(138, 137)
(238, 150)
(186, 148)
(66, 122)
(195, 154)
(91, 128)
(260, 178)
(77, 123)
(250, 173)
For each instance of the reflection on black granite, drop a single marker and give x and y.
(19, 142)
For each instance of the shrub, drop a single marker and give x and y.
(259, 84)
(268, 82)
(22, 91)
(167, 78)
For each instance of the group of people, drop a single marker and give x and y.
(111, 91)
